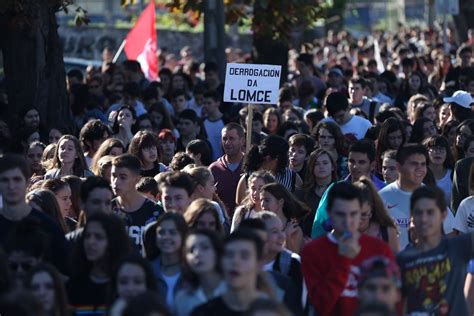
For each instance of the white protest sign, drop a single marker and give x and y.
(257, 84)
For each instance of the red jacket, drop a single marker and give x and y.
(332, 279)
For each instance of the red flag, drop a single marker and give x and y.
(141, 42)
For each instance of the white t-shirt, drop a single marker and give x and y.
(397, 202)
(464, 219)
(213, 130)
(171, 281)
(446, 184)
(356, 126)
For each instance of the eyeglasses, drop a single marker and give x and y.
(25, 266)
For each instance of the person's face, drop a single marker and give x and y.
(444, 114)
(145, 125)
(289, 116)
(168, 238)
(95, 242)
(379, 290)
(470, 150)
(149, 154)
(437, 154)
(275, 235)
(210, 106)
(212, 78)
(54, 136)
(125, 118)
(297, 155)
(200, 254)
(429, 129)
(232, 142)
(463, 133)
(270, 122)
(389, 170)
(177, 82)
(175, 199)
(95, 88)
(430, 113)
(427, 218)
(466, 59)
(95, 144)
(34, 156)
(156, 117)
(42, 288)
(13, 186)
(395, 139)
(359, 165)
(270, 203)
(165, 81)
(413, 171)
(207, 220)
(325, 139)
(99, 200)
(334, 80)
(345, 216)
(356, 92)
(67, 151)
(63, 196)
(365, 216)
(123, 180)
(168, 147)
(19, 263)
(4, 129)
(187, 127)
(341, 117)
(209, 188)
(255, 185)
(131, 280)
(179, 104)
(414, 82)
(323, 167)
(32, 119)
(240, 264)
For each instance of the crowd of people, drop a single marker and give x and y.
(354, 197)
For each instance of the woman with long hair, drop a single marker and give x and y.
(68, 159)
(425, 110)
(62, 192)
(328, 136)
(440, 163)
(103, 243)
(45, 201)
(202, 252)
(144, 145)
(163, 244)
(203, 214)
(463, 131)
(250, 206)
(271, 121)
(321, 172)
(270, 155)
(449, 131)
(374, 219)
(391, 137)
(110, 147)
(168, 142)
(275, 198)
(125, 124)
(422, 129)
(134, 276)
(46, 285)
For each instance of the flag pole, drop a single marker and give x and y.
(119, 51)
(249, 128)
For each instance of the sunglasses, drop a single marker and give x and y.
(25, 266)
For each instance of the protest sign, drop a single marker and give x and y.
(257, 84)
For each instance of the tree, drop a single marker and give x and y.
(33, 59)
(272, 22)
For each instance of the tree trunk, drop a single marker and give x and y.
(266, 50)
(34, 69)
